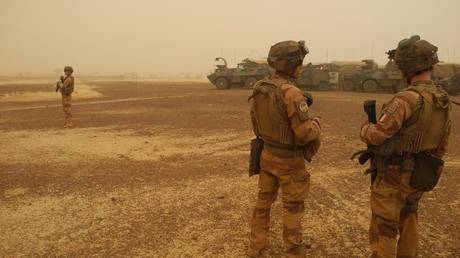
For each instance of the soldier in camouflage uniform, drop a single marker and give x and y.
(411, 132)
(66, 87)
(279, 115)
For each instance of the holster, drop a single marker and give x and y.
(427, 171)
(257, 145)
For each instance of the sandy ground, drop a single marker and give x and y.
(159, 169)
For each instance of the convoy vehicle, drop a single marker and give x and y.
(246, 74)
(321, 77)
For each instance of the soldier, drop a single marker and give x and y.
(408, 143)
(66, 87)
(279, 115)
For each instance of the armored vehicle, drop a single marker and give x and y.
(246, 74)
(445, 70)
(319, 77)
(448, 75)
(387, 78)
(451, 84)
(349, 74)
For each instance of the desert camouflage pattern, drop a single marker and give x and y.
(286, 55)
(401, 108)
(393, 229)
(398, 111)
(67, 85)
(67, 108)
(394, 206)
(287, 173)
(290, 175)
(66, 91)
(414, 55)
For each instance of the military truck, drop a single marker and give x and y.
(246, 74)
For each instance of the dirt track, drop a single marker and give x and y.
(165, 176)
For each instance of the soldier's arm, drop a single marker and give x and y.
(442, 150)
(306, 129)
(393, 116)
(67, 82)
(254, 121)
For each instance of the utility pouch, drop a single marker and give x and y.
(427, 171)
(257, 146)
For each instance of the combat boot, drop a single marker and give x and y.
(68, 124)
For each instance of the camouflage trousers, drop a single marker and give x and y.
(393, 229)
(294, 180)
(66, 106)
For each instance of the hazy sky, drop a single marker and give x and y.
(179, 36)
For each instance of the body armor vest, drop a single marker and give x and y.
(427, 126)
(272, 122)
(69, 89)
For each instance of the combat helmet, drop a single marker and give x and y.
(415, 55)
(68, 68)
(285, 56)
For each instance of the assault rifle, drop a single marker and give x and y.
(58, 84)
(365, 155)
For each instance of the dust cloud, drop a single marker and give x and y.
(179, 36)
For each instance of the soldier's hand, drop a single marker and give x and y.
(364, 124)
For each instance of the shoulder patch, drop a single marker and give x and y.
(303, 106)
(302, 110)
(391, 108)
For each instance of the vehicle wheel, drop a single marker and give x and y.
(400, 86)
(348, 86)
(324, 86)
(222, 83)
(249, 83)
(370, 86)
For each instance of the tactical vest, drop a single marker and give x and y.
(272, 122)
(69, 89)
(427, 126)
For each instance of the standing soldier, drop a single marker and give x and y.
(408, 143)
(279, 115)
(66, 86)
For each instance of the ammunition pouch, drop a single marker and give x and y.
(427, 171)
(257, 145)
